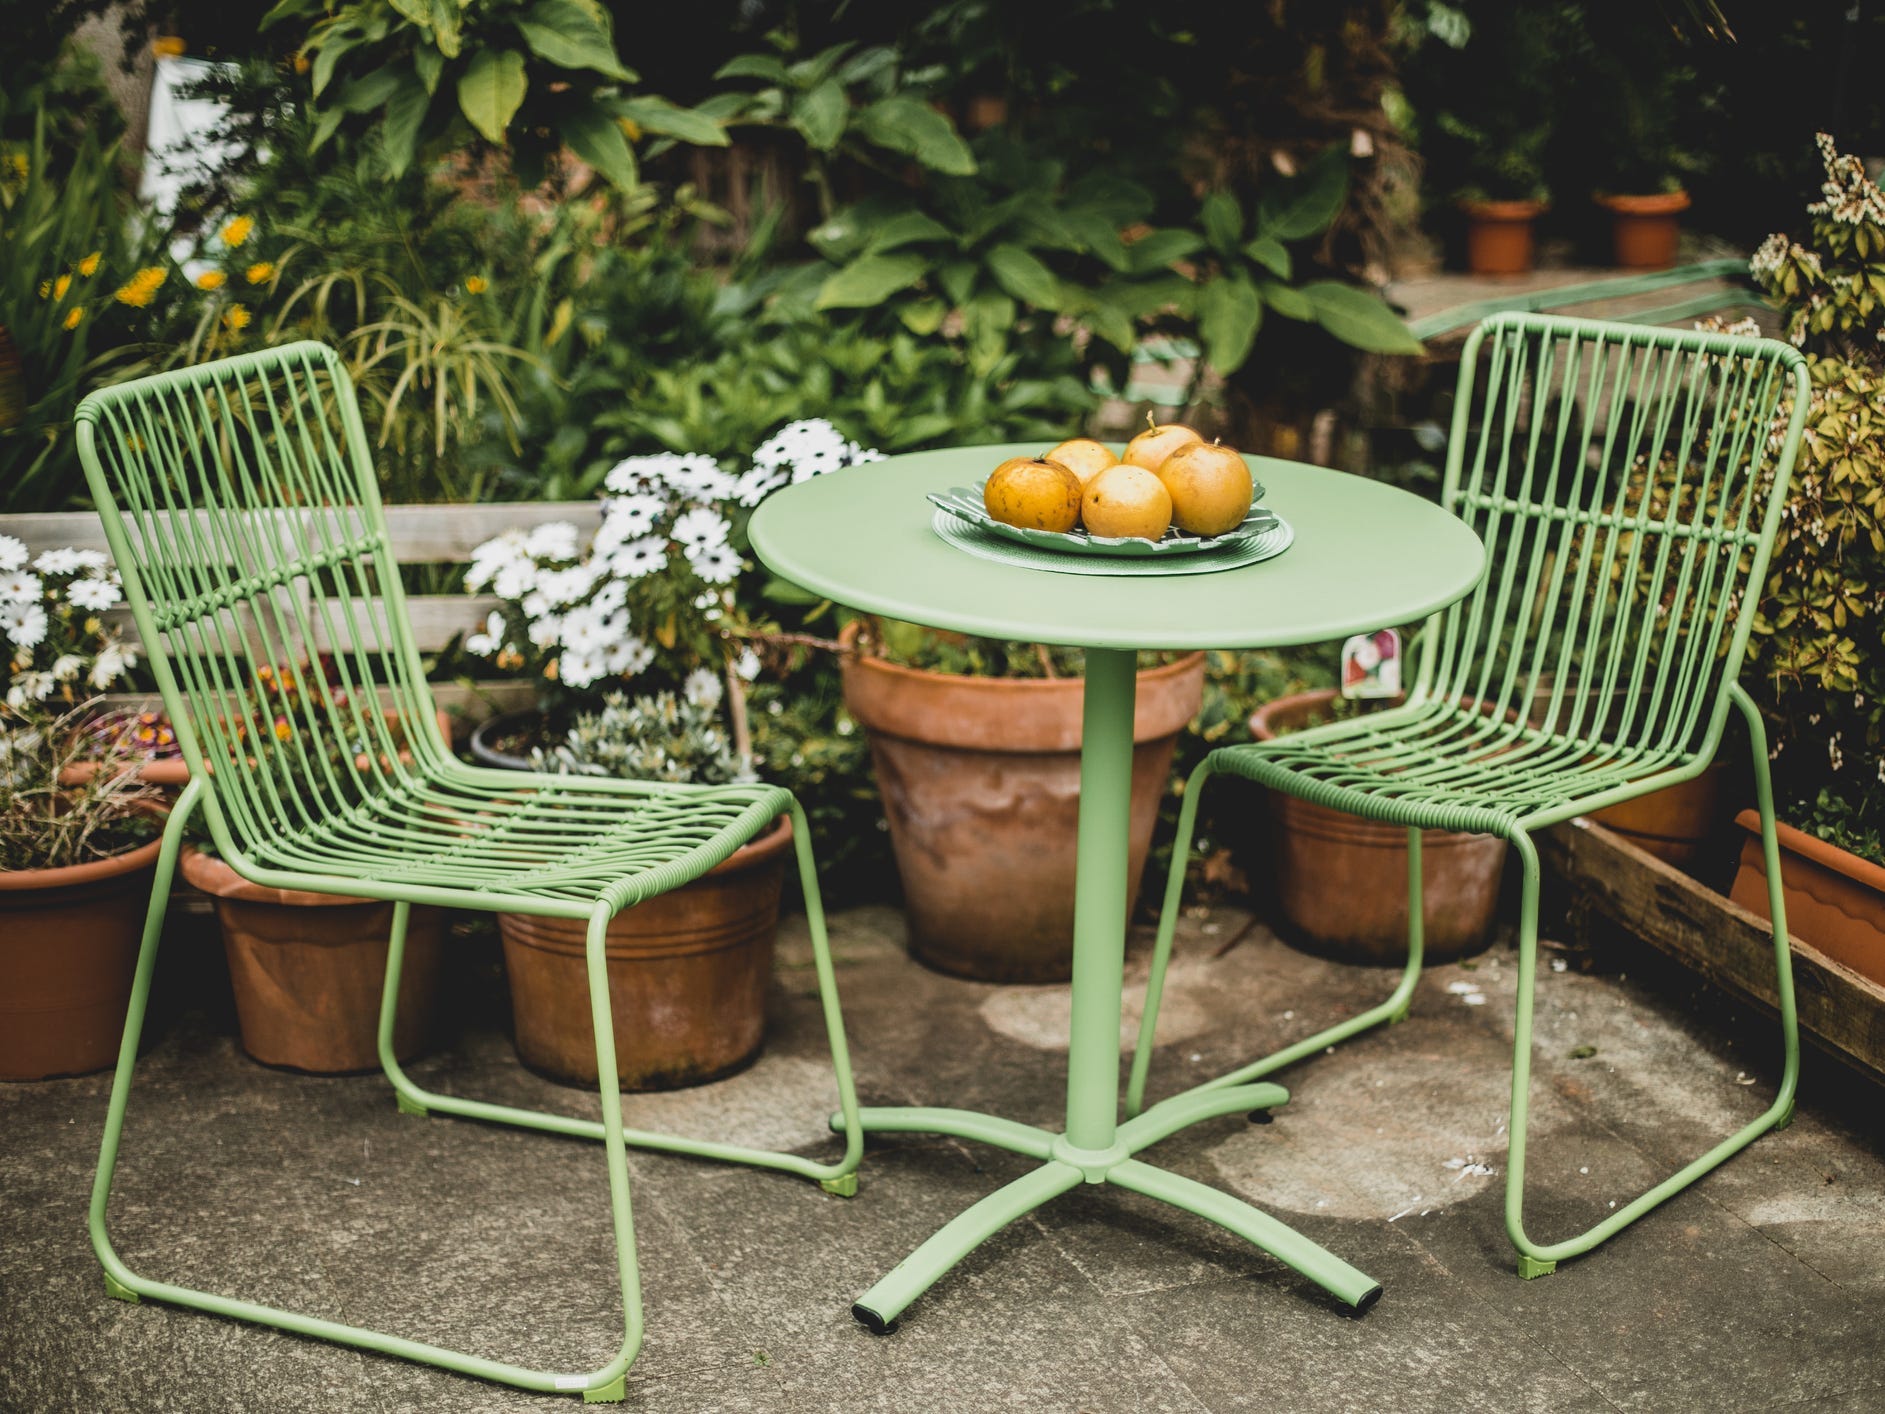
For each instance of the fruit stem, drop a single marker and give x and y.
(1150, 425)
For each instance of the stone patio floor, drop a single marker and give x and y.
(1753, 1291)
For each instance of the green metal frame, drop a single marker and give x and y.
(241, 506)
(1629, 486)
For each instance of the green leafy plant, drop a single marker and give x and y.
(1817, 655)
(46, 824)
(532, 76)
(660, 737)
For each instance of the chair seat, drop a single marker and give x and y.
(1442, 766)
(500, 835)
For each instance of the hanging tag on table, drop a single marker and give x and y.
(1371, 665)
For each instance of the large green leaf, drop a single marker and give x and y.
(572, 35)
(924, 317)
(752, 66)
(491, 90)
(1360, 317)
(906, 228)
(333, 49)
(1286, 300)
(1022, 275)
(820, 115)
(657, 115)
(1271, 254)
(958, 279)
(594, 135)
(1305, 205)
(1229, 314)
(905, 124)
(871, 279)
(374, 90)
(399, 130)
(428, 63)
(1223, 222)
(1161, 248)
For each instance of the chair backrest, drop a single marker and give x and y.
(241, 506)
(1628, 484)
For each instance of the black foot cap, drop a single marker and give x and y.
(1363, 1306)
(875, 1323)
(1262, 1117)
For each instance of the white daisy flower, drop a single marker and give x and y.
(703, 688)
(611, 596)
(580, 669)
(553, 540)
(544, 632)
(754, 486)
(91, 559)
(582, 631)
(29, 688)
(112, 662)
(700, 528)
(698, 477)
(23, 623)
(90, 593)
(490, 639)
(57, 562)
(67, 666)
(747, 665)
(567, 586)
(19, 587)
(634, 473)
(535, 604)
(627, 657)
(629, 517)
(717, 564)
(493, 555)
(12, 553)
(515, 580)
(639, 557)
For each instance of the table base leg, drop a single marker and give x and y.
(879, 1308)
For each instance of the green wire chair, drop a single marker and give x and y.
(240, 503)
(1628, 484)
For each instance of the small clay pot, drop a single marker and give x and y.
(1341, 880)
(688, 973)
(1644, 230)
(981, 787)
(1673, 823)
(1835, 900)
(307, 970)
(68, 951)
(1499, 235)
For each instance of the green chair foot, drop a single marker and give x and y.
(844, 1185)
(407, 1105)
(1786, 1117)
(614, 1392)
(1530, 1267)
(1396, 1018)
(117, 1289)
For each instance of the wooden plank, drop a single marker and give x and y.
(420, 534)
(1728, 945)
(436, 620)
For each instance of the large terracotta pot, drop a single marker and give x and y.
(1644, 229)
(1835, 900)
(1673, 823)
(1341, 880)
(981, 787)
(68, 949)
(1499, 236)
(308, 968)
(688, 972)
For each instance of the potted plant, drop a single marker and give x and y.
(307, 968)
(651, 604)
(976, 747)
(1816, 659)
(75, 874)
(1341, 881)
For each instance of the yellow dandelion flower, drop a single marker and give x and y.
(477, 285)
(73, 315)
(238, 230)
(211, 280)
(45, 289)
(60, 286)
(142, 287)
(236, 318)
(88, 267)
(260, 273)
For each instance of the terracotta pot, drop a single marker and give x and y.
(1835, 900)
(688, 972)
(1644, 229)
(307, 970)
(1499, 236)
(1675, 822)
(1342, 881)
(981, 787)
(68, 949)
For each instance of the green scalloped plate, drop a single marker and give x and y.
(965, 504)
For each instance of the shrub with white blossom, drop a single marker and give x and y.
(664, 736)
(59, 648)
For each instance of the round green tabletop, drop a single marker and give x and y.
(1365, 556)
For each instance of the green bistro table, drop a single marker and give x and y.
(1364, 556)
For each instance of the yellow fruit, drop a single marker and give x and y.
(1126, 500)
(1034, 493)
(1150, 448)
(1210, 488)
(1084, 457)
